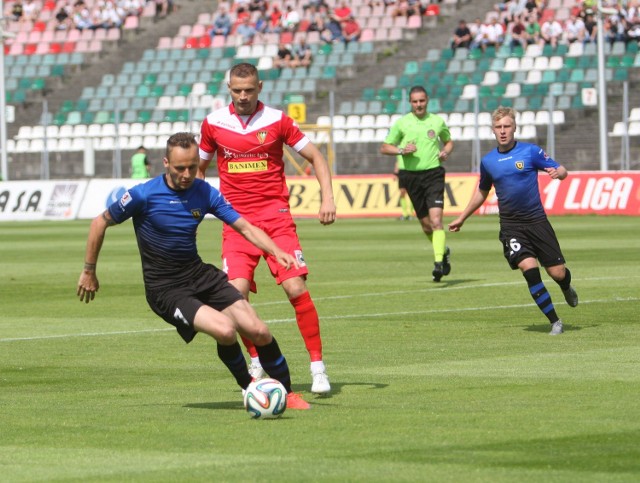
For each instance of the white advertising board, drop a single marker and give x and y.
(40, 200)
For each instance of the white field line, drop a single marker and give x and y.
(354, 316)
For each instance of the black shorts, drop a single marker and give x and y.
(537, 240)
(177, 304)
(425, 188)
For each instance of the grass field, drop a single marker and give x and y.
(456, 381)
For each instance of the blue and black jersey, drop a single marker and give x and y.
(165, 222)
(515, 176)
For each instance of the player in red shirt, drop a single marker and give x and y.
(248, 140)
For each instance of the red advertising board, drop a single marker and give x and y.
(586, 192)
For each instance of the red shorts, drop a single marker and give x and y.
(240, 257)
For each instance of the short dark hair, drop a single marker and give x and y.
(244, 70)
(182, 140)
(418, 89)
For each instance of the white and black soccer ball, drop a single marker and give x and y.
(265, 399)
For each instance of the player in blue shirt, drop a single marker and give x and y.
(187, 293)
(525, 232)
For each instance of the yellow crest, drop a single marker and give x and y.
(519, 164)
(196, 213)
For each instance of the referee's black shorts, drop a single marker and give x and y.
(177, 304)
(425, 188)
(537, 240)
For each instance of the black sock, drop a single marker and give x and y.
(565, 283)
(540, 294)
(232, 357)
(274, 363)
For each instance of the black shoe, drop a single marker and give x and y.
(571, 296)
(446, 266)
(437, 271)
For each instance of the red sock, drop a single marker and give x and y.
(250, 347)
(309, 325)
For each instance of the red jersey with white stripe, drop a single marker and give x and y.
(250, 157)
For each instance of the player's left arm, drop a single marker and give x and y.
(311, 153)
(260, 239)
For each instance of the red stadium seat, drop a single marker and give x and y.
(55, 48)
(191, 43)
(432, 9)
(49, 5)
(204, 42)
(39, 26)
(286, 37)
(68, 47)
(30, 49)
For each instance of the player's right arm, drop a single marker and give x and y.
(474, 203)
(88, 283)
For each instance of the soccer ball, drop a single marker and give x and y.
(265, 399)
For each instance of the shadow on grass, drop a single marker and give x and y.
(547, 327)
(336, 388)
(451, 282)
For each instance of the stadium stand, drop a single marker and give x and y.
(117, 89)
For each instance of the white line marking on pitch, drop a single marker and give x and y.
(330, 317)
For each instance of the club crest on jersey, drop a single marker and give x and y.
(431, 133)
(197, 214)
(520, 165)
(261, 135)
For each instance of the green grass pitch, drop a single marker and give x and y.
(449, 382)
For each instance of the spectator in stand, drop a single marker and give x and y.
(491, 35)
(519, 36)
(342, 12)
(573, 29)
(532, 8)
(317, 4)
(351, 30)
(284, 57)
(82, 18)
(302, 54)
(614, 29)
(163, 7)
(550, 33)
(131, 7)
(406, 8)
(590, 28)
(31, 10)
(275, 19)
(317, 18)
(533, 30)
(332, 32)
(290, 19)
(475, 29)
(246, 31)
(461, 36)
(222, 23)
(63, 17)
(258, 6)
(17, 11)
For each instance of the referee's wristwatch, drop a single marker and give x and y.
(401, 151)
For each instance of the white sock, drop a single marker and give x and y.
(317, 367)
(255, 361)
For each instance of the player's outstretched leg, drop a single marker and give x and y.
(570, 295)
(274, 362)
